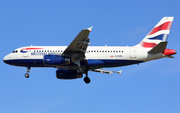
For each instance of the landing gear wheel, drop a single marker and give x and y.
(27, 75)
(87, 80)
(79, 70)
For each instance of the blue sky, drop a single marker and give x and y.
(145, 88)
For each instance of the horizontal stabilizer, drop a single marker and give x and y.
(159, 48)
(169, 56)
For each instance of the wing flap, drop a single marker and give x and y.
(106, 71)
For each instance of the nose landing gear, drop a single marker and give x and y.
(28, 70)
(27, 75)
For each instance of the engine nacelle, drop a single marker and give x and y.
(67, 74)
(52, 60)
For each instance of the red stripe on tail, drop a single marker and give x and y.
(147, 45)
(164, 26)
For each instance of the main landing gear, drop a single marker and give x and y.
(87, 79)
(79, 70)
(28, 70)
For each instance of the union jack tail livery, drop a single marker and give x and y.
(158, 34)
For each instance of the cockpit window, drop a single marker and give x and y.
(15, 51)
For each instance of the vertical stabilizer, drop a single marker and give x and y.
(158, 34)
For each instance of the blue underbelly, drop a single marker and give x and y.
(91, 62)
(111, 63)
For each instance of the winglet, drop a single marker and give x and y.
(119, 72)
(90, 28)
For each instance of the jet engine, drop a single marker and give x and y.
(51, 60)
(67, 74)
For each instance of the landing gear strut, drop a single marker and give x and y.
(87, 79)
(27, 74)
(79, 70)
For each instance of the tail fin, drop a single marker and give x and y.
(158, 34)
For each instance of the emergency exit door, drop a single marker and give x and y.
(133, 52)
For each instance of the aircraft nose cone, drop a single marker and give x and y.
(5, 59)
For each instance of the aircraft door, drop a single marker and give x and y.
(26, 54)
(133, 52)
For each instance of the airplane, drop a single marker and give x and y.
(78, 58)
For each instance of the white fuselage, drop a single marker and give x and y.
(112, 55)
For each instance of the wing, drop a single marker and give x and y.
(78, 46)
(106, 71)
